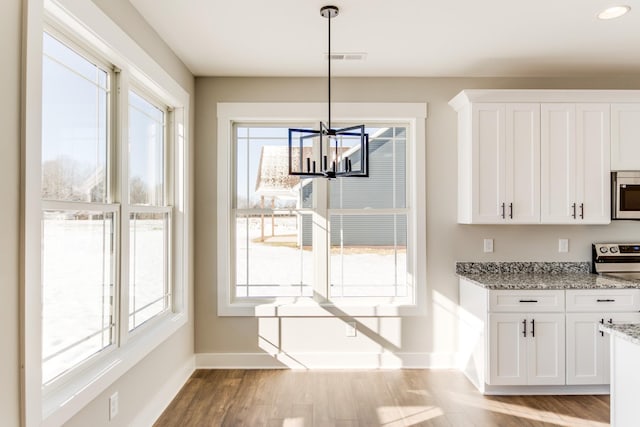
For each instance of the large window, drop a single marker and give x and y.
(350, 241)
(106, 208)
(367, 220)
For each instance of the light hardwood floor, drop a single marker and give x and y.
(286, 398)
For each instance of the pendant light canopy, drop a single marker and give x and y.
(329, 152)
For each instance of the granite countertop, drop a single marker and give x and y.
(629, 331)
(539, 275)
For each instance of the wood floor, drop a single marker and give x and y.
(286, 398)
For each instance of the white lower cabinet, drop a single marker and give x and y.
(526, 349)
(534, 340)
(588, 348)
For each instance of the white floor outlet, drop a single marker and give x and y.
(113, 405)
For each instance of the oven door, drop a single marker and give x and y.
(627, 195)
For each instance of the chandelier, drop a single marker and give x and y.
(328, 152)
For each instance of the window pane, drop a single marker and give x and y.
(77, 288)
(262, 170)
(273, 255)
(74, 126)
(146, 152)
(368, 255)
(386, 185)
(148, 287)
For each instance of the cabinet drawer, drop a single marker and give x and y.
(603, 300)
(526, 301)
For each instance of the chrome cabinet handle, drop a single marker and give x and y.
(573, 206)
(511, 210)
(524, 328)
(502, 206)
(581, 210)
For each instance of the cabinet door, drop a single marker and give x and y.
(593, 169)
(625, 134)
(522, 163)
(557, 163)
(587, 349)
(545, 349)
(488, 162)
(507, 349)
(615, 318)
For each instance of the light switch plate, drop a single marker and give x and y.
(488, 245)
(563, 245)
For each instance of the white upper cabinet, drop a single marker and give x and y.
(499, 174)
(625, 137)
(575, 163)
(538, 156)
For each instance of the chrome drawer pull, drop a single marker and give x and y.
(528, 300)
(606, 300)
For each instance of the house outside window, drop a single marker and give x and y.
(346, 241)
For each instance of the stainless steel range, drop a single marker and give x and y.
(620, 260)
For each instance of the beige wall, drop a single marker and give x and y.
(447, 241)
(10, 36)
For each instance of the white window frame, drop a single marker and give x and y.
(414, 114)
(87, 26)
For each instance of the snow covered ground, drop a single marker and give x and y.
(78, 270)
(78, 273)
(278, 266)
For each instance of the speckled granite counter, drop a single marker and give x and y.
(539, 275)
(628, 331)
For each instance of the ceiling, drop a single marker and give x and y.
(422, 38)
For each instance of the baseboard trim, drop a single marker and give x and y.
(161, 400)
(281, 360)
(545, 390)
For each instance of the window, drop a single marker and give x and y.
(148, 215)
(79, 218)
(84, 250)
(342, 242)
(367, 218)
(106, 221)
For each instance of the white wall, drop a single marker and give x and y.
(433, 337)
(10, 36)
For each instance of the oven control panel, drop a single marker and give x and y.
(616, 249)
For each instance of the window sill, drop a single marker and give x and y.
(67, 398)
(310, 308)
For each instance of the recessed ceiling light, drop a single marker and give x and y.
(614, 12)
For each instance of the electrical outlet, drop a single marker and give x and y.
(350, 329)
(563, 245)
(488, 245)
(113, 405)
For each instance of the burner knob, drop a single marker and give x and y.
(613, 249)
(603, 249)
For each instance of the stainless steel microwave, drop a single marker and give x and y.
(625, 195)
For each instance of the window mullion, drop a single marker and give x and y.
(120, 171)
(321, 240)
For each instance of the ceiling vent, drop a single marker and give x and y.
(351, 56)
